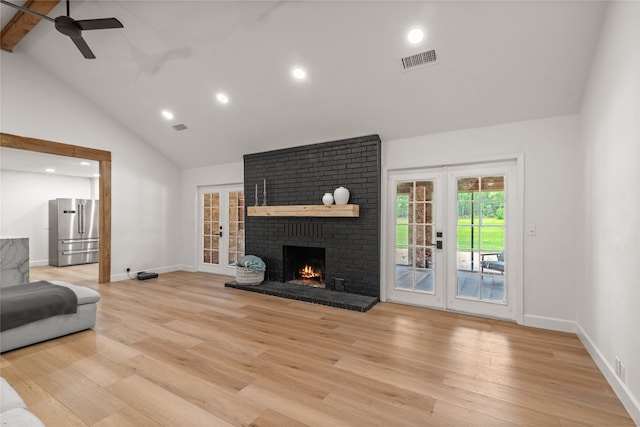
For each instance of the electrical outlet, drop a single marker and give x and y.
(128, 269)
(621, 370)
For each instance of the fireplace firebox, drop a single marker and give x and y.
(304, 265)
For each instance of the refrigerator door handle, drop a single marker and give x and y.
(86, 251)
(81, 218)
(70, 242)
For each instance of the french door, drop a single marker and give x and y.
(453, 235)
(417, 259)
(221, 228)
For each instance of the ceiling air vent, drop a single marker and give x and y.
(419, 60)
(179, 127)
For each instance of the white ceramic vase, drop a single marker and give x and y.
(327, 199)
(341, 196)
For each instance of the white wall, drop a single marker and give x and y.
(24, 206)
(551, 153)
(609, 294)
(230, 173)
(550, 199)
(145, 185)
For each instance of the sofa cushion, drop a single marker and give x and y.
(13, 411)
(20, 417)
(9, 398)
(85, 295)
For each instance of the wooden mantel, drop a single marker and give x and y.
(306, 211)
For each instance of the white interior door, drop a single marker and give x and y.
(452, 239)
(221, 228)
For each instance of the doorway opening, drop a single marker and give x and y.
(104, 166)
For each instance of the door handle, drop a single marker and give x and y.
(438, 240)
(79, 217)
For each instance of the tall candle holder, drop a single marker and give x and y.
(256, 194)
(264, 193)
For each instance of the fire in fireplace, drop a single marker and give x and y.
(307, 272)
(304, 265)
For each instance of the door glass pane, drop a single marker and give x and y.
(468, 260)
(414, 236)
(468, 236)
(210, 227)
(236, 223)
(481, 238)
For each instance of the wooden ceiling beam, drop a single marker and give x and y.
(22, 23)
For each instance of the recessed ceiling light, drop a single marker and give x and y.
(97, 175)
(415, 36)
(222, 98)
(50, 170)
(85, 163)
(167, 114)
(299, 73)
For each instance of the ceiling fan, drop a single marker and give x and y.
(73, 28)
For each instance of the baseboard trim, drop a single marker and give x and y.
(621, 390)
(551, 323)
(38, 263)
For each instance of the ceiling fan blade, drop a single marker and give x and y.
(83, 47)
(99, 24)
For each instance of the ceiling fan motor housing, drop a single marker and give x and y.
(68, 26)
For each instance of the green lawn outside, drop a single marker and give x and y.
(492, 237)
(402, 232)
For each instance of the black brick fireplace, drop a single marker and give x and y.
(301, 176)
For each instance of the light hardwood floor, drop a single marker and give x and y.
(183, 350)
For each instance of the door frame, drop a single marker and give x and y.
(227, 187)
(104, 184)
(517, 253)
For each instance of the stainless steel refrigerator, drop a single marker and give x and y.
(73, 232)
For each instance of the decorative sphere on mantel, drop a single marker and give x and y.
(341, 196)
(327, 199)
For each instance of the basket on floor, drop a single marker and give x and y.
(244, 276)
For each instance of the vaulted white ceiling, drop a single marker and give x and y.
(497, 62)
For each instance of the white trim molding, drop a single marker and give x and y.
(551, 323)
(621, 390)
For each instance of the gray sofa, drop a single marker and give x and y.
(13, 411)
(56, 326)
